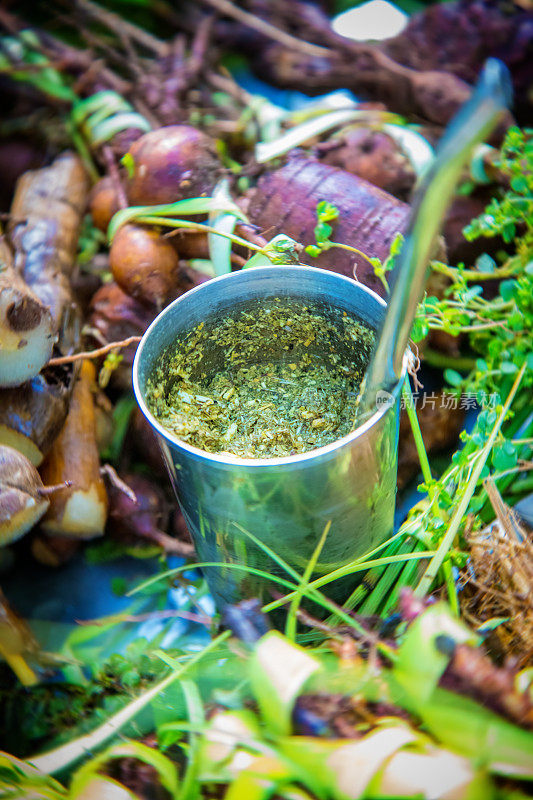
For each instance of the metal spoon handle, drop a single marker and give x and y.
(474, 121)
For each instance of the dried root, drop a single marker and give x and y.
(499, 581)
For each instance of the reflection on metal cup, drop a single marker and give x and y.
(284, 502)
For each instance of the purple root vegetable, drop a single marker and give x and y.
(285, 201)
(171, 163)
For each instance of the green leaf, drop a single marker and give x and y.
(508, 368)
(504, 456)
(507, 289)
(453, 377)
(223, 221)
(322, 232)
(128, 162)
(520, 184)
(191, 206)
(165, 769)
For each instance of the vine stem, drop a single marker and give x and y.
(435, 564)
(169, 222)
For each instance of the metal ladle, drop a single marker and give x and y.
(473, 123)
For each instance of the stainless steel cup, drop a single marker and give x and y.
(284, 502)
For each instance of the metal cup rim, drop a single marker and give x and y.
(256, 463)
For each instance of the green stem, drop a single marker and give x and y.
(196, 226)
(351, 249)
(451, 587)
(417, 434)
(446, 542)
(442, 361)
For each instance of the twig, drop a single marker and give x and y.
(101, 351)
(149, 615)
(120, 25)
(44, 491)
(111, 473)
(230, 10)
(168, 543)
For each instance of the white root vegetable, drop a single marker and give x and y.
(22, 502)
(80, 509)
(27, 331)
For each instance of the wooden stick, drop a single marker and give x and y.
(100, 351)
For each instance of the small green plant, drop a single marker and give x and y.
(327, 212)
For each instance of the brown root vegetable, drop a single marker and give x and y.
(27, 331)
(103, 203)
(369, 73)
(191, 244)
(22, 501)
(374, 156)
(32, 415)
(16, 156)
(115, 316)
(144, 518)
(144, 264)
(46, 216)
(459, 36)
(462, 211)
(79, 510)
(172, 163)
(285, 201)
(53, 551)
(144, 445)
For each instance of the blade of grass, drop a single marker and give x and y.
(290, 627)
(190, 788)
(200, 565)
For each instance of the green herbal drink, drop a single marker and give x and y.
(271, 379)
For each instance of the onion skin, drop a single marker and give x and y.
(172, 163)
(144, 264)
(21, 501)
(103, 203)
